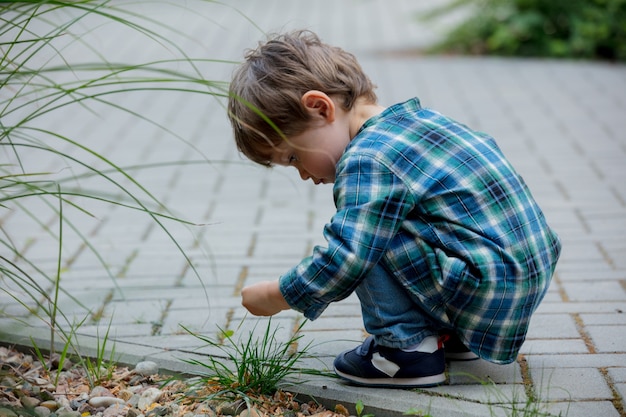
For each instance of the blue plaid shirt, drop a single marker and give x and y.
(443, 211)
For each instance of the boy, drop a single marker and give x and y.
(440, 238)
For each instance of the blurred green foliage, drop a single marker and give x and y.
(590, 29)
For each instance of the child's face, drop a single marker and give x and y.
(315, 152)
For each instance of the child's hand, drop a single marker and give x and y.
(263, 299)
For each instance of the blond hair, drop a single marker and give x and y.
(264, 104)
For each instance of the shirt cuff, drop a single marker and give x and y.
(297, 298)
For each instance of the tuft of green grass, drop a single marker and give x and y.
(100, 368)
(251, 366)
(40, 80)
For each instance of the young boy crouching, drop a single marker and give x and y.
(434, 230)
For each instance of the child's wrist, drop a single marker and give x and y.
(276, 295)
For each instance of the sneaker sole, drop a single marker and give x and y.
(419, 382)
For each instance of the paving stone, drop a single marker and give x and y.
(552, 297)
(608, 338)
(583, 251)
(552, 326)
(598, 360)
(200, 301)
(135, 311)
(331, 324)
(504, 394)
(583, 409)
(554, 346)
(173, 342)
(176, 321)
(581, 307)
(615, 318)
(483, 372)
(599, 291)
(618, 374)
(116, 330)
(331, 343)
(570, 384)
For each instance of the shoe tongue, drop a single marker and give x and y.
(367, 346)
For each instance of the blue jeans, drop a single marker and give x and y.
(391, 313)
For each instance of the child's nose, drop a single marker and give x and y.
(303, 174)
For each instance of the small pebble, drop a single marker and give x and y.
(5, 412)
(116, 410)
(100, 392)
(134, 400)
(135, 388)
(136, 380)
(85, 409)
(63, 402)
(8, 382)
(125, 394)
(56, 361)
(46, 395)
(149, 396)
(250, 412)
(15, 359)
(41, 381)
(205, 412)
(158, 411)
(29, 402)
(105, 401)
(232, 408)
(50, 405)
(64, 412)
(42, 411)
(147, 368)
(133, 412)
(76, 404)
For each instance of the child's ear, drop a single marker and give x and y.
(319, 105)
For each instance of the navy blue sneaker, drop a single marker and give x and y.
(455, 350)
(372, 365)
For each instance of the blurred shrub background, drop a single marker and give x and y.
(588, 29)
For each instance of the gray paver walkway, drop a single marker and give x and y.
(561, 123)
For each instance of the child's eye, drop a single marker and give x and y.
(292, 159)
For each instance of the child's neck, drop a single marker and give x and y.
(360, 113)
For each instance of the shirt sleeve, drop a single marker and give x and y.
(371, 204)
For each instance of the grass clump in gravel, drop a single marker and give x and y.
(247, 366)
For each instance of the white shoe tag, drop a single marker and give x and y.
(428, 345)
(383, 365)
